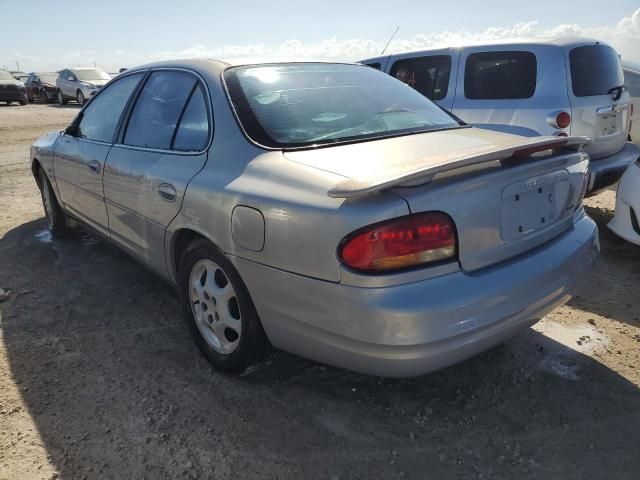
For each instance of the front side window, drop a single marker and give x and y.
(595, 70)
(308, 104)
(500, 75)
(100, 118)
(192, 134)
(428, 75)
(158, 109)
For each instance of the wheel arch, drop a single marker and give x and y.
(178, 244)
(36, 166)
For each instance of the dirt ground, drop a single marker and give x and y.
(100, 379)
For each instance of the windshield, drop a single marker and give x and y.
(4, 75)
(297, 105)
(48, 77)
(595, 70)
(91, 74)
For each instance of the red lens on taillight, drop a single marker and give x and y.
(400, 243)
(563, 120)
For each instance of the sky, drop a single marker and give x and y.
(54, 34)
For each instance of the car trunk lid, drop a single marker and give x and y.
(502, 204)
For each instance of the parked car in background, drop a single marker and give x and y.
(632, 82)
(336, 213)
(18, 75)
(42, 86)
(626, 222)
(562, 87)
(80, 84)
(11, 90)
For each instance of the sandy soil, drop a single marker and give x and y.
(99, 378)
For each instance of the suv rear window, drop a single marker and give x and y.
(595, 70)
(308, 104)
(500, 75)
(428, 75)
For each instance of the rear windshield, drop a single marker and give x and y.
(298, 105)
(595, 70)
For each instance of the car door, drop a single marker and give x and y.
(80, 154)
(600, 107)
(161, 149)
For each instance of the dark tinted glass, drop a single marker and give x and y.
(632, 81)
(595, 69)
(500, 75)
(100, 118)
(296, 105)
(158, 108)
(428, 75)
(193, 131)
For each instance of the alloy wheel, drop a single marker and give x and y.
(215, 307)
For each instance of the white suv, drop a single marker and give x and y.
(632, 82)
(562, 87)
(80, 84)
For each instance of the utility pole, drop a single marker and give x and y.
(18, 64)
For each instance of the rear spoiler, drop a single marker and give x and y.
(423, 170)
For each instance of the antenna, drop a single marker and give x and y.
(392, 37)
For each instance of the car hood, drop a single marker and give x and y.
(12, 82)
(97, 83)
(375, 165)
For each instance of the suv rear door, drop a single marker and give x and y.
(594, 73)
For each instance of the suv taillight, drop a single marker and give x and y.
(563, 120)
(403, 242)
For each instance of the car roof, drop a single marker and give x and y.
(561, 42)
(217, 66)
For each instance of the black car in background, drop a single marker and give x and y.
(12, 90)
(42, 86)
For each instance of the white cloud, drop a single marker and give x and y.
(624, 36)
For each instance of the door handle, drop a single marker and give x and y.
(94, 166)
(167, 192)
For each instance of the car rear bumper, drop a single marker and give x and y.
(414, 328)
(608, 170)
(626, 223)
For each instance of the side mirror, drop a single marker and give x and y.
(72, 130)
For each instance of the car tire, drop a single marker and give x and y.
(80, 98)
(61, 99)
(24, 100)
(56, 219)
(218, 309)
(44, 96)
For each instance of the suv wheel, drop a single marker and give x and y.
(80, 98)
(24, 100)
(61, 100)
(219, 311)
(44, 96)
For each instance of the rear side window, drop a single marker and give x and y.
(632, 81)
(158, 109)
(101, 116)
(193, 132)
(428, 75)
(500, 75)
(595, 70)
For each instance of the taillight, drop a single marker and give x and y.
(400, 243)
(563, 120)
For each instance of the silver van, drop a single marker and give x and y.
(560, 87)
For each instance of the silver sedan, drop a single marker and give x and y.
(328, 210)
